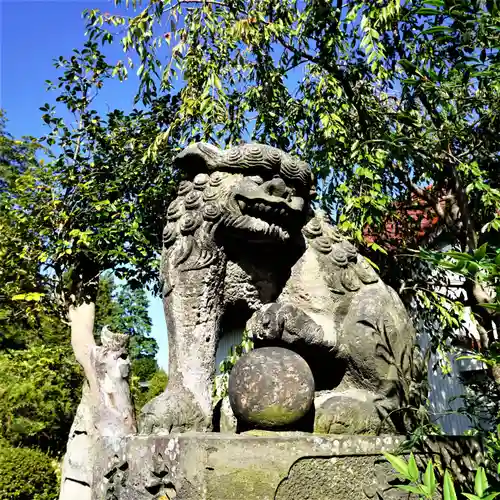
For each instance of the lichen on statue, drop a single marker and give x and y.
(242, 247)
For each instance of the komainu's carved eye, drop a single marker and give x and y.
(257, 179)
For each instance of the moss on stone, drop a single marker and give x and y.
(260, 432)
(241, 483)
(277, 415)
(327, 424)
(275, 433)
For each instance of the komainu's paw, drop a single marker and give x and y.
(267, 323)
(361, 413)
(290, 324)
(175, 410)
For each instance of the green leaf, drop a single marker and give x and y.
(430, 478)
(480, 482)
(473, 267)
(410, 489)
(412, 469)
(437, 29)
(448, 487)
(491, 496)
(399, 465)
(29, 297)
(481, 251)
(429, 12)
(459, 255)
(408, 66)
(377, 248)
(493, 307)
(373, 263)
(217, 82)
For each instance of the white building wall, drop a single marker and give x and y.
(445, 392)
(227, 341)
(446, 389)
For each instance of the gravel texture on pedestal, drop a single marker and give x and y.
(271, 387)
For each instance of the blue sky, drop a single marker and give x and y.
(32, 34)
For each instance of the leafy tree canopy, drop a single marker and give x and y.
(20, 273)
(383, 97)
(92, 207)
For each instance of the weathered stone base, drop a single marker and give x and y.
(233, 467)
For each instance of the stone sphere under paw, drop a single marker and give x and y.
(271, 387)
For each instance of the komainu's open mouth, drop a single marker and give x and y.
(274, 213)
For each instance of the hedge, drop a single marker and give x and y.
(26, 474)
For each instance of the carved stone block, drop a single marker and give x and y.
(269, 466)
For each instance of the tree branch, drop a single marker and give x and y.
(470, 233)
(204, 2)
(336, 72)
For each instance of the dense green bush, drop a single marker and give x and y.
(40, 389)
(144, 368)
(157, 385)
(26, 474)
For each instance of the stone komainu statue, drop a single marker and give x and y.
(242, 248)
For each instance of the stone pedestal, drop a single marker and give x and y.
(274, 466)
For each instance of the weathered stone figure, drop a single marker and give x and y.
(242, 248)
(110, 416)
